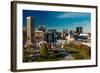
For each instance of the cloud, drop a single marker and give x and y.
(72, 15)
(82, 22)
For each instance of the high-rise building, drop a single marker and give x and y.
(52, 35)
(39, 36)
(58, 35)
(72, 32)
(30, 29)
(79, 30)
(42, 28)
(65, 32)
(52, 30)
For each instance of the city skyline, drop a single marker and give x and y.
(59, 20)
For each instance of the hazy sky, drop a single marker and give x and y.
(59, 20)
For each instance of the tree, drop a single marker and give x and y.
(43, 49)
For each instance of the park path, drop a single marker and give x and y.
(69, 57)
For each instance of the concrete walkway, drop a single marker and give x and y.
(69, 57)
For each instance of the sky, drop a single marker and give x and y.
(59, 20)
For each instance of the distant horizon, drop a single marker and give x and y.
(59, 20)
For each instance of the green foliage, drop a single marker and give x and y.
(43, 50)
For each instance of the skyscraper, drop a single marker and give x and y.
(79, 30)
(65, 32)
(42, 28)
(30, 29)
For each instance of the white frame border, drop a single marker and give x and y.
(21, 65)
